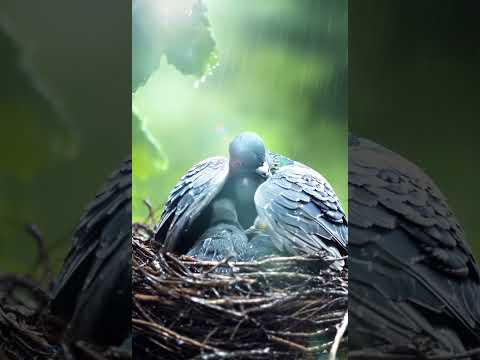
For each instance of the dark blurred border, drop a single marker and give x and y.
(81, 52)
(414, 88)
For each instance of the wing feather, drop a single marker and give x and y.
(402, 228)
(302, 211)
(101, 234)
(190, 196)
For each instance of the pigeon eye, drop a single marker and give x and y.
(237, 163)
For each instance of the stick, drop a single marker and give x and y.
(174, 334)
(338, 337)
(43, 257)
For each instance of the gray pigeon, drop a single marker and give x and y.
(188, 210)
(413, 280)
(93, 291)
(299, 209)
(225, 238)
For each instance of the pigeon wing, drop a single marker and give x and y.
(302, 210)
(102, 236)
(407, 250)
(192, 194)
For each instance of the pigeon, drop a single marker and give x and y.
(187, 213)
(413, 281)
(225, 238)
(300, 211)
(278, 200)
(92, 294)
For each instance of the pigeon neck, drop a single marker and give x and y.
(223, 211)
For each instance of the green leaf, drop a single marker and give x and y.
(148, 157)
(180, 30)
(191, 47)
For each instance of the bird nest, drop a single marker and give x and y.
(27, 331)
(276, 307)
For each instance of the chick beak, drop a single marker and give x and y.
(264, 170)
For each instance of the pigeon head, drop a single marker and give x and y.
(247, 153)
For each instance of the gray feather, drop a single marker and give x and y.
(192, 195)
(302, 211)
(412, 274)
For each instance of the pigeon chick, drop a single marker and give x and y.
(225, 237)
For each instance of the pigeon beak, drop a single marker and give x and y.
(264, 170)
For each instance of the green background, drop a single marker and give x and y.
(282, 73)
(52, 164)
(414, 81)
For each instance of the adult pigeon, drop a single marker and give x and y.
(188, 210)
(300, 211)
(414, 283)
(93, 291)
(225, 238)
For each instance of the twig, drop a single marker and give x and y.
(241, 354)
(144, 227)
(12, 281)
(267, 261)
(219, 264)
(43, 256)
(293, 345)
(338, 337)
(151, 213)
(173, 334)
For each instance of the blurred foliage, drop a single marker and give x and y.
(64, 118)
(282, 73)
(29, 116)
(148, 157)
(180, 32)
(31, 124)
(414, 88)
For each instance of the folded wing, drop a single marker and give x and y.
(302, 211)
(188, 200)
(411, 268)
(91, 292)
